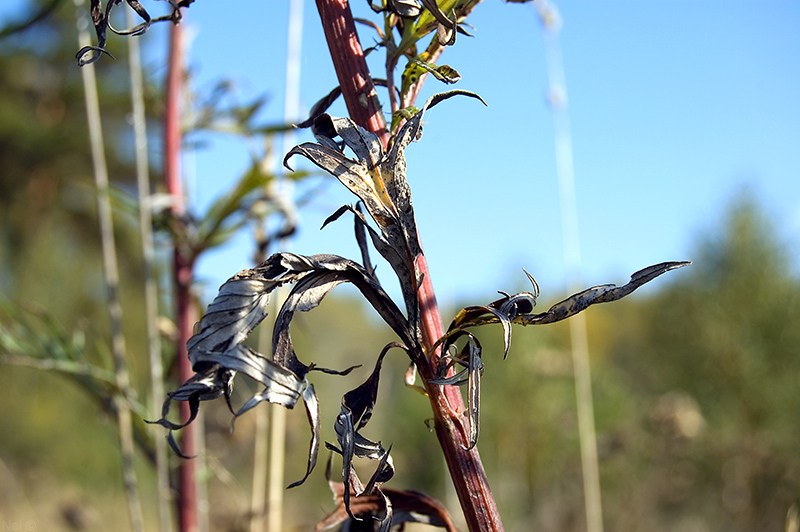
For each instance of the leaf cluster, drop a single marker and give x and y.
(378, 179)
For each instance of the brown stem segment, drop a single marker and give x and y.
(185, 318)
(466, 469)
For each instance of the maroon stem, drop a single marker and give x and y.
(355, 80)
(183, 265)
(466, 469)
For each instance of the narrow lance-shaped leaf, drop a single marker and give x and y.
(598, 294)
(356, 412)
(379, 181)
(519, 309)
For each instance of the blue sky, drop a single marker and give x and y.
(676, 107)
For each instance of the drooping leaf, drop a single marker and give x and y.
(217, 353)
(379, 181)
(312, 410)
(317, 275)
(408, 506)
(101, 20)
(469, 357)
(355, 413)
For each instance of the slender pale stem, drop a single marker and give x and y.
(150, 285)
(466, 469)
(111, 273)
(572, 259)
(258, 493)
(277, 455)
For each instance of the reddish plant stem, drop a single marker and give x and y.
(355, 80)
(183, 269)
(466, 469)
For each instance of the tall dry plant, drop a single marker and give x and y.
(376, 174)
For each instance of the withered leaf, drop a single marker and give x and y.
(598, 294)
(217, 353)
(378, 179)
(101, 20)
(409, 506)
(519, 309)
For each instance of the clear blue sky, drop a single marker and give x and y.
(675, 107)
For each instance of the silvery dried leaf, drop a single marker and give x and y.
(518, 309)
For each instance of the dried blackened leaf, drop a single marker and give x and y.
(282, 387)
(355, 175)
(469, 357)
(312, 410)
(214, 378)
(217, 353)
(518, 309)
(320, 107)
(318, 274)
(355, 413)
(405, 8)
(408, 506)
(239, 307)
(379, 181)
(598, 294)
(394, 256)
(359, 224)
(361, 400)
(504, 310)
(101, 20)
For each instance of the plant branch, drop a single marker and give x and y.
(465, 466)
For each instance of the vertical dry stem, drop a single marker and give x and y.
(150, 287)
(111, 273)
(569, 218)
(355, 80)
(466, 469)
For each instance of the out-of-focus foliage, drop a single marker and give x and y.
(59, 457)
(716, 355)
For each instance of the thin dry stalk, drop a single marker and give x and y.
(111, 274)
(150, 285)
(277, 482)
(258, 492)
(277, 451)
(569, 216)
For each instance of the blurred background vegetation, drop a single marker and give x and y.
(697, 381)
